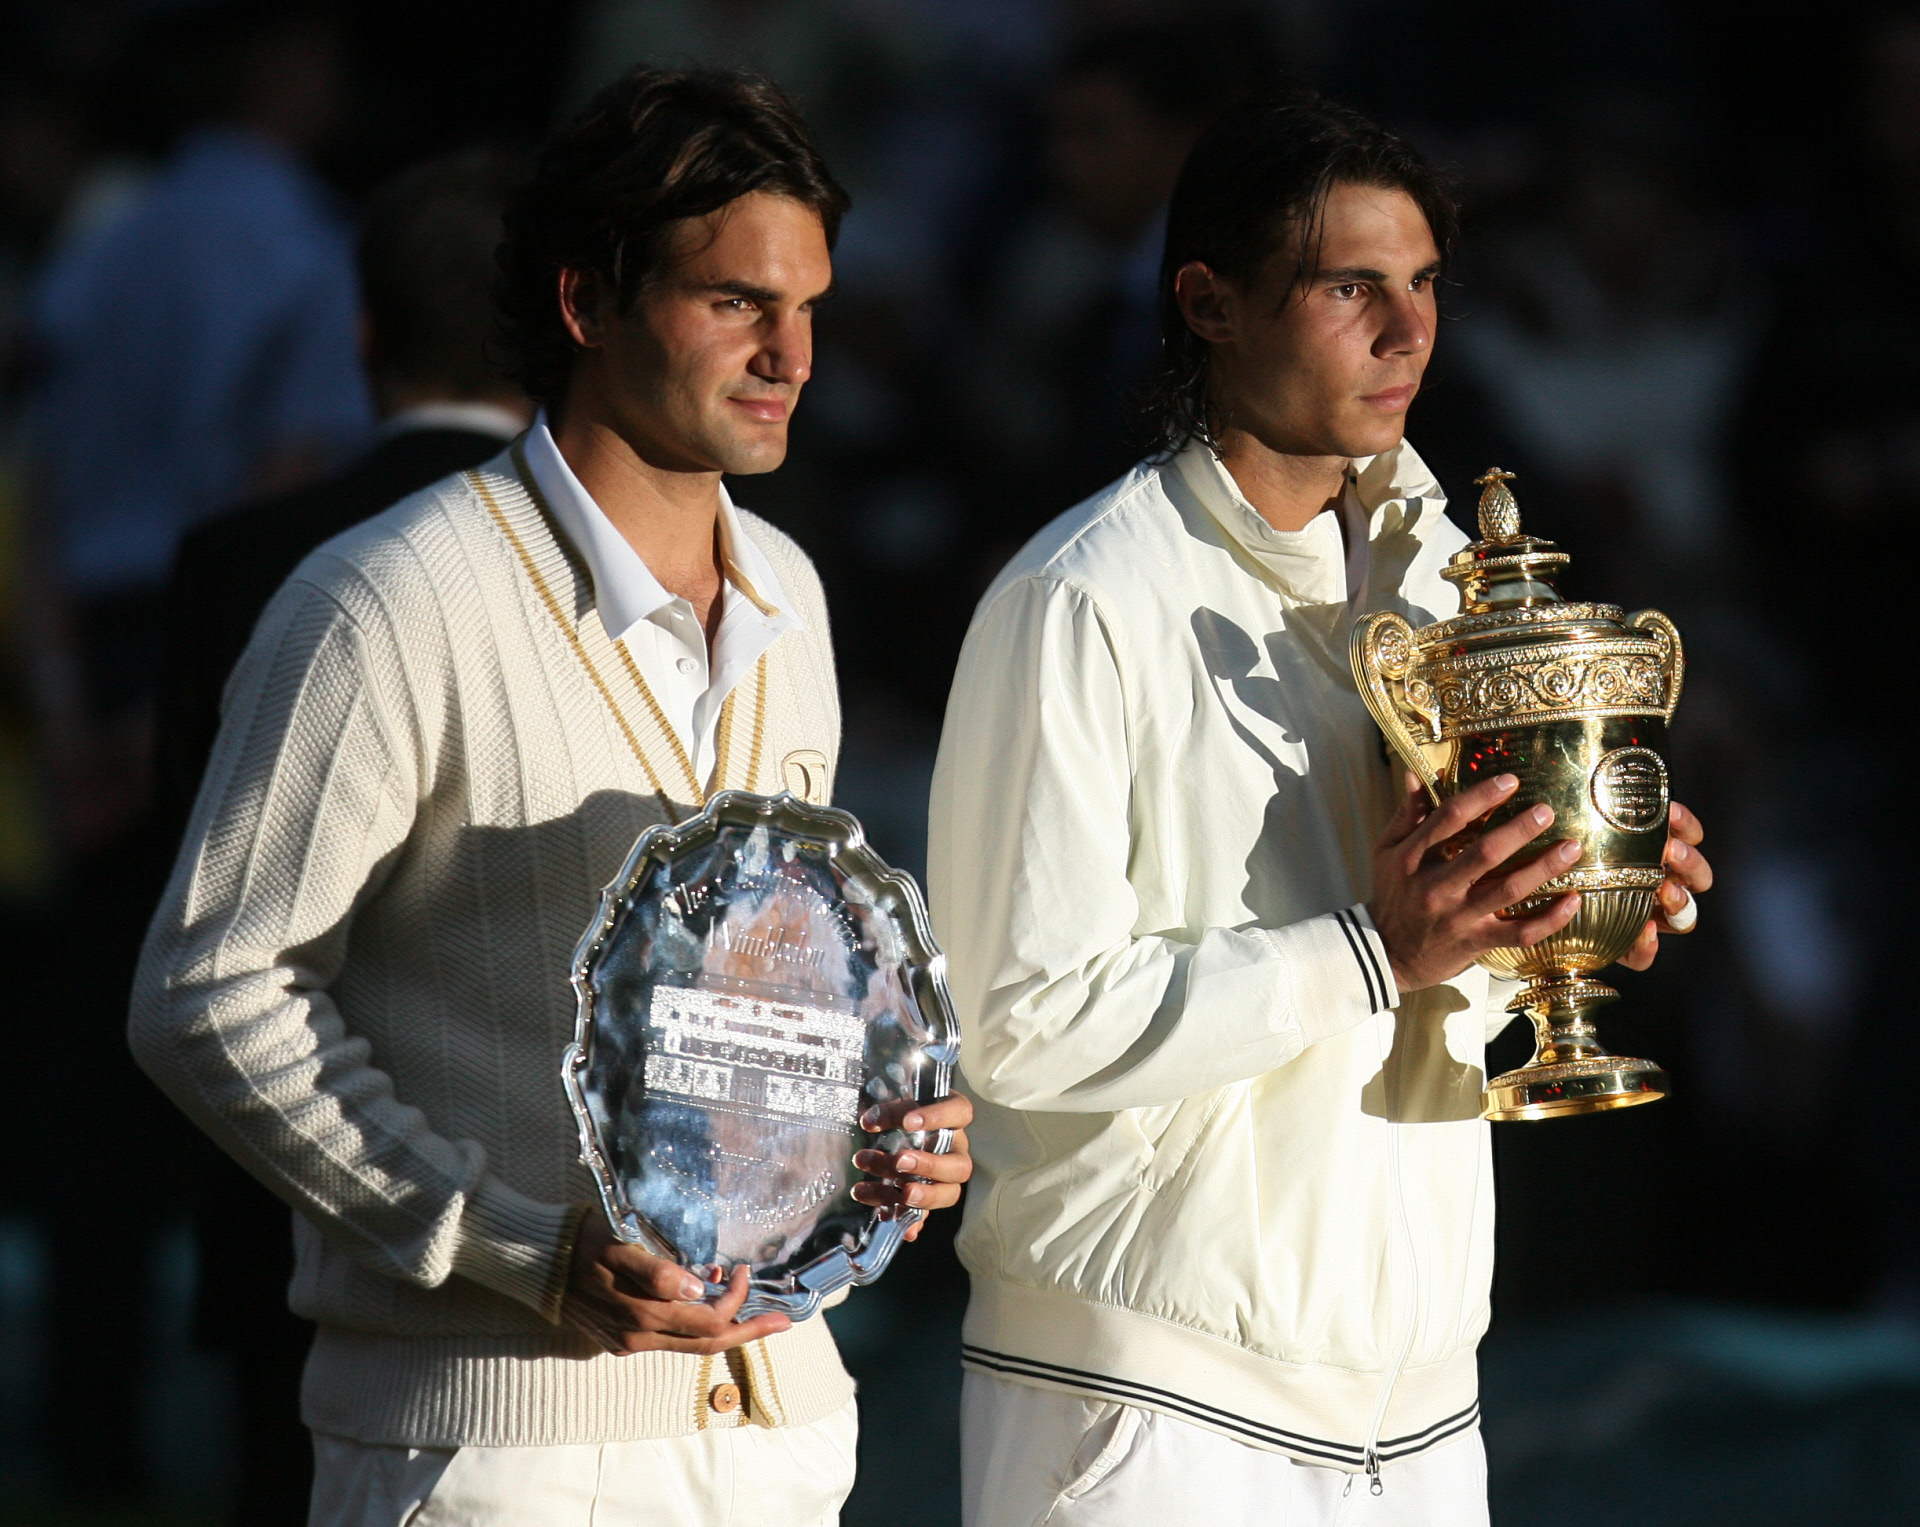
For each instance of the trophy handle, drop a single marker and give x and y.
(1381, 650)
(1674, 659)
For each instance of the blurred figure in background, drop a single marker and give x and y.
(200, 346)
(1068, 337)
(191, 343)
(1830, 473)
(1611, 327)
(426, 265)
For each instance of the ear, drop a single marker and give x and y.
(579, 294)
(1206, 302)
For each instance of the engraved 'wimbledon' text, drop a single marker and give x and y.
(783, 1058)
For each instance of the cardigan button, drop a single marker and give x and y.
(725, 1398)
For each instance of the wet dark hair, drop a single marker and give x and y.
(426, 257)
(654, 148)
(1256, 186)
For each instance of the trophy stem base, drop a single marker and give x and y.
(1571, 1072)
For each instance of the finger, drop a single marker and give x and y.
(702, 1322)
(1496, 892)
(907, 1195)
(913, 1231)
(1412, 810)
(739, 1285)
(1495, 847)
(937, 1166)
(625, 1315)
(931, 1196)
(1683, 824)
(953, 1111)
(1525, 932)
(642, 1275)
(1458, 813)
(756, 1329)
(1645, 947)
(1677, 912)
(876, 1194)
(697, 1319)
(1689, 866)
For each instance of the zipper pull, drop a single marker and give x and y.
(1373, 1473)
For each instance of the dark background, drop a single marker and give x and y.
(1686, 313)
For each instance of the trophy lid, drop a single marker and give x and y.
(1504, 569)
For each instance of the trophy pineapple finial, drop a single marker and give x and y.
(1499, 514)
(1504, 567)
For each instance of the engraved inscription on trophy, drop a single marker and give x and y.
(1630, 789)
(780, 1059)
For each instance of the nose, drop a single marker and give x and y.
(785, 355)
(1407, 326)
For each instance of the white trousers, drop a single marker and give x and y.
(741, 1476)
(1034, 1456)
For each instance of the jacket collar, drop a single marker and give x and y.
(1393, 494)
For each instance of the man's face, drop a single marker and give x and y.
(703, 372)
(1328, 367)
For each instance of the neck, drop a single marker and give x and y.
(669, 516)
(1288, 491)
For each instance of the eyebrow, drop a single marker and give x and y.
(1348, 273)
(761, 294)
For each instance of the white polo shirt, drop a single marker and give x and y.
(661, 630)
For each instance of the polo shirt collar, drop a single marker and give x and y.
(624, 588)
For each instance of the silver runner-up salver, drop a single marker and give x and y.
(756, 978)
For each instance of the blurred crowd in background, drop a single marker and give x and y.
(1686, 312)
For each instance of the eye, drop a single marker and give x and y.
(737, 305)
(1348, 291)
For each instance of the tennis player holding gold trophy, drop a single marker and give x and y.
(1573, 699)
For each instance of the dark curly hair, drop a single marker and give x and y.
(654, 148)
(1256, 184)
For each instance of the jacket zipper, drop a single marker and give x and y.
(1371, 1457)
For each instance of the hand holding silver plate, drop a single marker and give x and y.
(756, 980)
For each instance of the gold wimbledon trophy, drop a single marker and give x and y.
(1573, 700)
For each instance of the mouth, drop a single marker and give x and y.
(767, 410)
(1392, 400)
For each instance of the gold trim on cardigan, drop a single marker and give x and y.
(725, 728)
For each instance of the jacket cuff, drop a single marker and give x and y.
(1343, 976)
(1369, 958)
(517, 1246)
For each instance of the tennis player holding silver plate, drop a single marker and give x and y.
(756, 979)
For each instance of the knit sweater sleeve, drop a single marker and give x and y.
(308, 802)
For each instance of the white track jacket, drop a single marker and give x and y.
(1225, 1169)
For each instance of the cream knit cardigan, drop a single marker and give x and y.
(357, 979)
